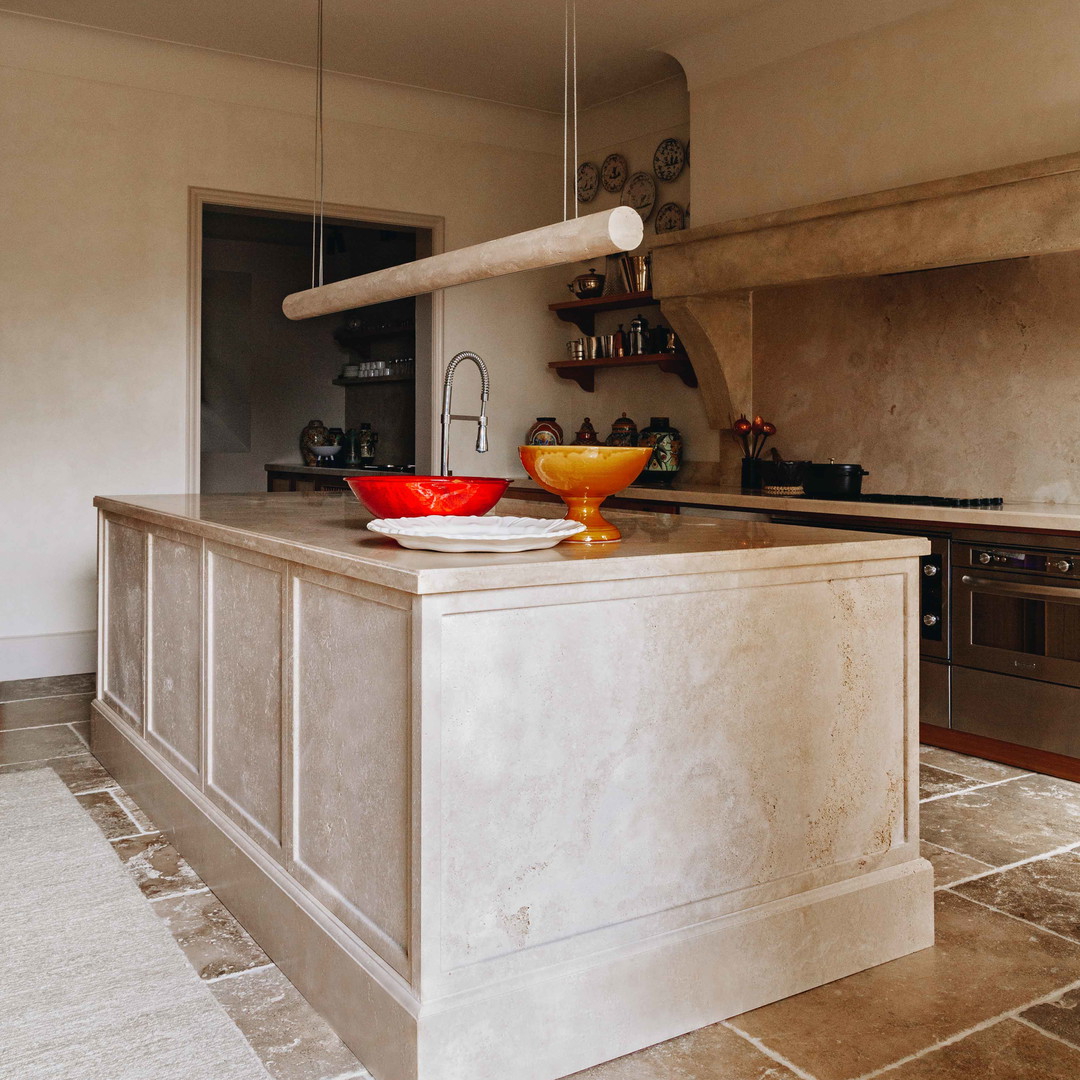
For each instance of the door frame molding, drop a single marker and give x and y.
(427, 380)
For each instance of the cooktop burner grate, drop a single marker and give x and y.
(931, 500)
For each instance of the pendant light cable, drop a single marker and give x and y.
(567, 187)
(318, 233)
(573, 67)
(570, 109)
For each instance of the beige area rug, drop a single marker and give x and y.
(92, 984)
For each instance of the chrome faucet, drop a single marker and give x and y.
(447, 416)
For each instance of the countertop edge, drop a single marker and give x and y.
(434, 580)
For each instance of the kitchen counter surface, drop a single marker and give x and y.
(324, 471)
(1048, 517)
(326, 530)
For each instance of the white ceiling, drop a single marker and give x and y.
(503, 50)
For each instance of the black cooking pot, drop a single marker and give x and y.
(833, 481)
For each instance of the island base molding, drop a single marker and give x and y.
(558, 1020)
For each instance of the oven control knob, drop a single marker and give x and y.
(1063, 565)
(985, 557)
(930, 570)
(930, 620)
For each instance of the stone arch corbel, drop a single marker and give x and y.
(717, 334)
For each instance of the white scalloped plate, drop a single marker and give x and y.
(446, 532)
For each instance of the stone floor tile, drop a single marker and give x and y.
(108, 814)
(1005, 1051)
(1008, 822)
(39, 744)
(711, 1053)
(1045, 892)
(291, 1039)
(214, 942)
(81, 773)
(966, 765)
(36, 712)
(934, 781)
(948, 866)
(157, 866)
(983, 964)
(134, 811)
(53, 686)
(82, 729)
(1061, 1017)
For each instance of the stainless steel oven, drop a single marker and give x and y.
(1016, 640)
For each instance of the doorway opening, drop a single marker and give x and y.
(263, 378)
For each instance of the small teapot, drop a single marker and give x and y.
(587, 285)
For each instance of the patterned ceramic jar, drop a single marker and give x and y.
(545, 432)
(623, 432)
(666, 442)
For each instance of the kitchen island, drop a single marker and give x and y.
(505, 816)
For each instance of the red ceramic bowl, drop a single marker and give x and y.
(414, 496)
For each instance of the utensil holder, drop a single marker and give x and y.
(751, 474)
(636, 272)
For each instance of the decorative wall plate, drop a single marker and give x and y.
(670, 218)
(669, 159)
(444, 532)
(640, 193)
(588, 181)
(613, 172)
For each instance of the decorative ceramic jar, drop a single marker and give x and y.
(545, 432)
(623, 432)
(666, 442)
(313, 435)
(586, 435)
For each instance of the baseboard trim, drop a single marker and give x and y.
(45, 655)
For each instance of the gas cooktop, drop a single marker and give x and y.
(926, 500)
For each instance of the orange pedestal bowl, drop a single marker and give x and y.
(583, 477)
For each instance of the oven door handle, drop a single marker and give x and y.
(1034, 592)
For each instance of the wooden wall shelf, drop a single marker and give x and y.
(582, 313)
(374, 380)
(583, 372)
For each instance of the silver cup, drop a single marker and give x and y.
(575, 350)
(607, 344)
(592, 348)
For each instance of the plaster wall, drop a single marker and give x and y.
(960, 381)
(942, 89)
(103, 136)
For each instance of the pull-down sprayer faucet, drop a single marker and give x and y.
(447, 416)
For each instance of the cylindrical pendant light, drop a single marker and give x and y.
(576, 240)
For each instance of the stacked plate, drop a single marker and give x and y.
(447, 532)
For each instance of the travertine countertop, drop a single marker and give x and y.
(326, 530)
(1055, 517)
